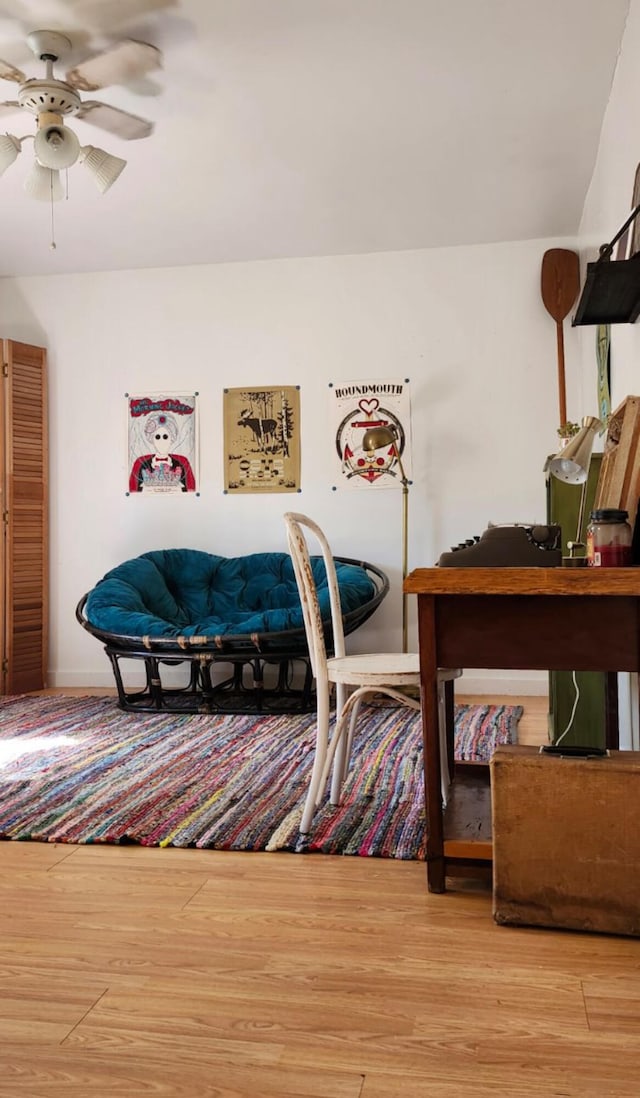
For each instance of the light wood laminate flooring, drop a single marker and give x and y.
(148, 973)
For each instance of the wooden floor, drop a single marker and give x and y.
(139, 973)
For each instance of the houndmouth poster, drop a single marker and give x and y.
(262, 439)
(361, 406)
(162, 443)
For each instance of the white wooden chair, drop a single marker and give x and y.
(368, 674)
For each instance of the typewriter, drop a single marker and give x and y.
(513, 545)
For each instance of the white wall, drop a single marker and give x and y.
(607, 206)
(465, 325)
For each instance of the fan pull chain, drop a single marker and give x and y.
(52, 246)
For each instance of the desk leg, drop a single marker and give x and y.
(611, 718)
(450, 717)
(431, 741)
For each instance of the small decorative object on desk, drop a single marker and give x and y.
(609, 539)
(507, 546)
(566, 432)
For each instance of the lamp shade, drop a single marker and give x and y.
(104, 168)
(43, 184)
(378, 437)
(572, 463)
(9, 149)
(56, 147)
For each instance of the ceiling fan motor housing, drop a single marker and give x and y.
(49, 95)
(48, 45)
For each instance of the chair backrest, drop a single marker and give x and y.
(301, 560)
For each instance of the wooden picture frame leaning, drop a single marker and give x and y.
(619, 480)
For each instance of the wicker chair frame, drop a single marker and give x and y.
(269, 672)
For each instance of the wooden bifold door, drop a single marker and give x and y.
(24, 557)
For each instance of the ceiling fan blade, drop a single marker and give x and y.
(110, 15)
(145, 86)
(121, 64)
(28, 15)
(103, 15)
(9, 107)
(10, 72)
(113, 120)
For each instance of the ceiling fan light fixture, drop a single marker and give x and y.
(56, 147)
(9, 148)
(104, 167)
(43, 184)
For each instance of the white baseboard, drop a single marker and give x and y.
(104, 679)
(472, 682)
(528, 683)
(57, 680)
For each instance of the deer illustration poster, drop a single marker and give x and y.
(162, 443)
(361, 406)
(262, 439)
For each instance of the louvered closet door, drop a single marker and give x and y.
(25, 518)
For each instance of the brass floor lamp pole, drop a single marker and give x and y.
(405, 553)
(376, 439)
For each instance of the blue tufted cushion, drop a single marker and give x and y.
(185, 592)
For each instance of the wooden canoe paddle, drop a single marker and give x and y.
(559, 284)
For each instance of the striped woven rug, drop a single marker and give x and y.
(79, 770)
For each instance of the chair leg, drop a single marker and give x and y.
(316, 782)
(343, 753)
(340, 747)
(326, 750)
(346, 724)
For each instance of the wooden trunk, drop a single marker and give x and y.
(566, 840)
(24, 558)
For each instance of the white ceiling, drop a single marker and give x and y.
(321, 127)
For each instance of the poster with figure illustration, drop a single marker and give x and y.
(262, 439)
(371, 433)
(162, 443)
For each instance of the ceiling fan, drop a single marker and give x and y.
(86, 16)
(51, 100)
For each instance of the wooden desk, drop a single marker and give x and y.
(560, 619)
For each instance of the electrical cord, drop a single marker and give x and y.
(573, 711)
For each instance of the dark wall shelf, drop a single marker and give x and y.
(611, 293)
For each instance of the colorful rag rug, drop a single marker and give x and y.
(79, 770)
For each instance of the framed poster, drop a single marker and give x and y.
(162, 442)
(358, 407)
(262, 439)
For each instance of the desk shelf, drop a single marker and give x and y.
(467, 817)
